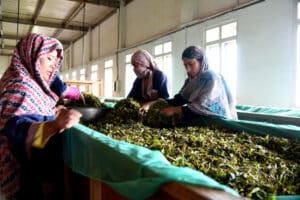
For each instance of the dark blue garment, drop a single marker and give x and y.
(44, 166)
(16, 129)
(58, 86)
(159, 83)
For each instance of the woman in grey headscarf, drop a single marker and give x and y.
(204, 93)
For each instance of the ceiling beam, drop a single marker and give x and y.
(36, 14)
(108, 3)
(13, 37)
(44, 24)
(69, 18)
(111, 13)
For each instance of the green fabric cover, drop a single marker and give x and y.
(137, 172)
(133, 171)
(284, 197)
(269, 110)
(251, 127)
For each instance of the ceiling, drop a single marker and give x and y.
(66, 20)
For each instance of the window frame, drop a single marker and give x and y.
(128, 85)
(220, 42)
(163, 54)
(108, 67)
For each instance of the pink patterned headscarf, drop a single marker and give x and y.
(22, 88)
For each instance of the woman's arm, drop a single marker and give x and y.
(58, 86)
(61, 89)
(40, 133)
(178, 100)
(172, 110)
(22, 130)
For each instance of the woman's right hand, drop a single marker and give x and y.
(66, 118)
(145, 107)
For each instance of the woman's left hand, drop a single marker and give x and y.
(170, 111)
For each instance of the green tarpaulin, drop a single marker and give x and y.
(126, 167)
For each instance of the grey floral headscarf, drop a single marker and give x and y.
(207, 93)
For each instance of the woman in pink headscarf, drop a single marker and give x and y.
(29, 119)
(151, 83)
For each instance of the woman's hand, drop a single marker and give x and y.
(146, 106)
(66, 118)
(170, 111)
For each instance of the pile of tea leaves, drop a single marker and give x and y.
(126, 111)
(86, 100)
(153, 118)
(254, 166)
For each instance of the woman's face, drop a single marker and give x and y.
(47, 64)
(140, 68)
(192, 66)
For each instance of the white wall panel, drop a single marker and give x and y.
(266, 51)
(109, 36)
(146, 19)
(95, 44)
(81, 52)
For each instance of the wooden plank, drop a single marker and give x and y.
(174, 190)
(170, 191)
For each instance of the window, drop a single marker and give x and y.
(94, 78)
(74, 75)
(163, 58)
(108, 78)
(129, 74)
(82, 78)
(221, 51)
(298, 58)
(82, 74)
(67, 76)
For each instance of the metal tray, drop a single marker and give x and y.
(90, 114)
